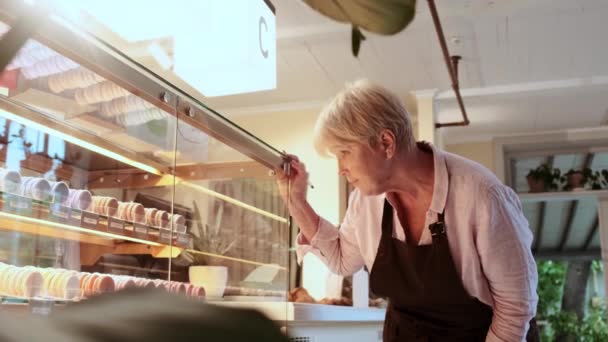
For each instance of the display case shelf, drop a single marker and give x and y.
(99, 240)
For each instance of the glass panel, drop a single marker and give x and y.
(172, 56)
(102, 190)
(80, 158)
(239, 229)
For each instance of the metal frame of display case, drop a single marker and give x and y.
(94, 54)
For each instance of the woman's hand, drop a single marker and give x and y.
(293, 189)
(298, 178)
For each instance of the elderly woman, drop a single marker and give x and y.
(446, 242)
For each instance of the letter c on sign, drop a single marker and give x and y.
(262, 22)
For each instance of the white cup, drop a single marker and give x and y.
(212, 278)
(10, 181)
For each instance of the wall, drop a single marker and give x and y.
(481, 152)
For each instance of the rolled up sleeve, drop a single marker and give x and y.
(504, 245)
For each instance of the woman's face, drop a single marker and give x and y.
(366, 168)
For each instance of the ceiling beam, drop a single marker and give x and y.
(592, 231)
(568, 224)
(573, 206)
(542, 206)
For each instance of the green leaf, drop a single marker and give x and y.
(356, 38)
(386, 17)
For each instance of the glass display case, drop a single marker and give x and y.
(114, 174)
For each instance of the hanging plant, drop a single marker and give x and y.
(386, 17)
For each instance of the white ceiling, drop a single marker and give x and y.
(527, 65)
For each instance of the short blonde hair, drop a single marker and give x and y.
(358, 114)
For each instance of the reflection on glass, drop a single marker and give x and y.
(224, 57)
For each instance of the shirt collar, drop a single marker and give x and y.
(441, 179)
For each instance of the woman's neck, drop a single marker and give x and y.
(413, 179)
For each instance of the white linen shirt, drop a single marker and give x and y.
(488, 235)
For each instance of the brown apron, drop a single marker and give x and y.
(427, 301)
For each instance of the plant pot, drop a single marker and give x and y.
(536, 185)
(39, 162)
(212, 278)
(575, 180)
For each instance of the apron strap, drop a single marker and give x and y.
(387, 219)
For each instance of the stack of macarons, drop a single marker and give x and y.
(36, 188)
(92, 284)
(194, 291)
(178, 219)
(79, 199)
(60, 283)
(176, 287)
(104, 205)
(49, 66)
(10, 181)
(100, 92)
(132, 212)
(24, 282)
(161, 219)
(31, 54)
(75, 78)
(124, 282)
(150, 216)
(60, 192)
(30, 282)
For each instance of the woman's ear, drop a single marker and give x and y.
(388, 143)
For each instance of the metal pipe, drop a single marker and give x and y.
(452, 65)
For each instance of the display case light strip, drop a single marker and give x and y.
(82, 143)
(76, 229)
(244, 261)
(230, 200)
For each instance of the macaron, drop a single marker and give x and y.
(104, 284)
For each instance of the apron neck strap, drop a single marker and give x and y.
(387, 219)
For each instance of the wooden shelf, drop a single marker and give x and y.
(562, 196)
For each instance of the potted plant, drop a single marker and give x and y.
(543, 178)
(578, 179)
(604, 174)
(208, 239)
(592, 178)
(573, 179)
